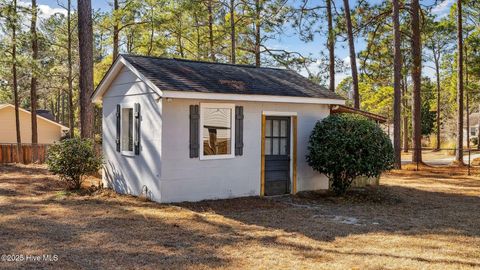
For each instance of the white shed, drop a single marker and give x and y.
(179, 130)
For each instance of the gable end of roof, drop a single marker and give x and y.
(3, 106)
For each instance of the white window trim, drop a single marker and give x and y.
(275, 113)
(127, 106)
(232, 130)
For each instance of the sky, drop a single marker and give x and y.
(288, 41)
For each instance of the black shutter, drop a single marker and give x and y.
(137, 128)
(117, 141)
(238, 130)
(194, 130)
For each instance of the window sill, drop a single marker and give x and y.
(128, 153)
(215, 157)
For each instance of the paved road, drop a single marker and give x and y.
(441, 161)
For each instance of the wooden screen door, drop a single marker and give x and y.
(277, 155)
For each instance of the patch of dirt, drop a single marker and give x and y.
(368, 194)
(475, 162)
(414, 220)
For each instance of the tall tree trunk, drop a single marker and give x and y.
(52, 107)
(257, 32)
(331, 46)
(63, 109)
(116, 30)
(459, 152)
(210, 29)
(85, 40)
(180, 44)
(152, 31)
(15, 82)
(353, 58)
(467, 97)
(33, 83)
(198, 35)
(232, 32)
(478, 130)
(439, 124)
(179, 40)
(417, 80)
(397, 86)
(57, 106)
(405, 117)
(71, 123)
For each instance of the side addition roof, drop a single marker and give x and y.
(345, 109)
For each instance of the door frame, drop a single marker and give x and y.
(293, 149)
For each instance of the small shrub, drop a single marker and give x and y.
(474, 140)
(344, 147)
(73, 159)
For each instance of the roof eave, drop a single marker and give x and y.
(250, 97)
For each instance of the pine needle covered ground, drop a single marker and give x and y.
(427, 220)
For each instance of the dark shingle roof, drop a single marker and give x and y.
(195, 76)
(46, 114)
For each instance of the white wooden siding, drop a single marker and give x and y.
(137, 174)
(186, 179)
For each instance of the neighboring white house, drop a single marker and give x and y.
(473, 132)
(48, 130)
(179, 130)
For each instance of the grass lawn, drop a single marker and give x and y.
(414, 220)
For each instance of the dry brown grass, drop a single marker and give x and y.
(414, 220)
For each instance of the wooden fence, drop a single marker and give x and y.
(8, 153)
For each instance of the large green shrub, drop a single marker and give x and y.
(345, 146)
(73, 159)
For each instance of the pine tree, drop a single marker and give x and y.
(33, 84)
(459, 152)
(397, 77)
(417, 81)
(85, 39)
(353, 57)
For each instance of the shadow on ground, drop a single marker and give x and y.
(373, 225)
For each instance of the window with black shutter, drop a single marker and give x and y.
(194, 130)
(216, 131)
(238, 130)
(117, 140)
(137, 129)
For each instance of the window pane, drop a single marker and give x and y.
(276, 127)
(275, 150)
(268, 128)
(283, 147)
(127, 129)
(268, 146)
(283, 128)
(217, 135)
